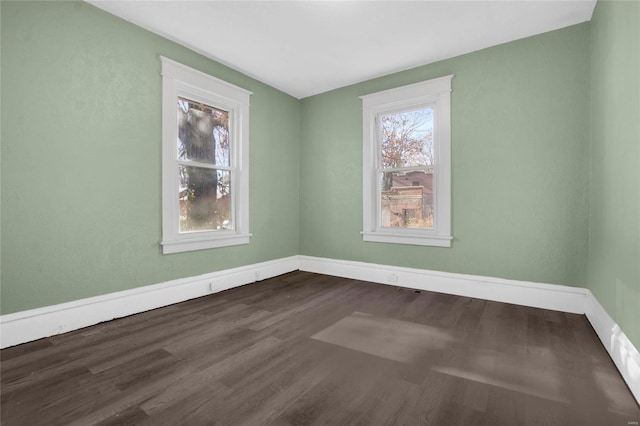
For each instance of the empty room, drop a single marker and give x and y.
(320, 213)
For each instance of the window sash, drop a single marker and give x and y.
(189, 95)
(206, 100)
(378, 213)
(382, 169)
(231, 199)
(412, 108)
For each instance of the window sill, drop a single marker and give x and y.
(406, 238)
(191, 244)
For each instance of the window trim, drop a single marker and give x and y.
(181, 80)
(435, 92)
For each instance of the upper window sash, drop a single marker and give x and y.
(378, 138)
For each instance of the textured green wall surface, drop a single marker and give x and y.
(614, 238)
(81, 158)
(520, 130)
(545, 161)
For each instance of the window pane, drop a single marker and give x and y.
(203, 133)
(205, 199)
(407, 138)
(406, 199)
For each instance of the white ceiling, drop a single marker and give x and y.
(309, 47)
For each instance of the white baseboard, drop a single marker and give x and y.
(33, 324)
(623, 353)
(546, 296)
(26, 326)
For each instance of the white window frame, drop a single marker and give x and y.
(434, 93)
(180, 80)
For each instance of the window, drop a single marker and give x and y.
(407, 164)
(205, 159)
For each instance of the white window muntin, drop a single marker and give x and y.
(182, 81)
(436, 93)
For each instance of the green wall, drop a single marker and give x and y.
(81, 150)
(614, 232)
(520, 129)
(532, 198)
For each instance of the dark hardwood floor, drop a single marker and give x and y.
(304, 349)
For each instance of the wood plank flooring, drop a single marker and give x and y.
(303, 349)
